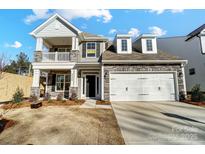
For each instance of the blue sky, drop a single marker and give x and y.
(16, 24)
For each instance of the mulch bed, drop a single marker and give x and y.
(62, 103)
(6, 123)
(44, 104)
(195, 103)
(98, 102)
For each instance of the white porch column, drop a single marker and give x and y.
(73, 43)
(46, 82)
(102, 82)
(76, 43)
(39, 44)
(74, 78)
(36, 78)
(184, 79)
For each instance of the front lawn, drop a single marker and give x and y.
(62, 125)
(12, 105)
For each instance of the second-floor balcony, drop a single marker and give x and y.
(55, 56)
(40, 56)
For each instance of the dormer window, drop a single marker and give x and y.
(124, 45)
(146, 43)
(149, 45)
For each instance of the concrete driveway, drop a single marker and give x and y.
(160, 122)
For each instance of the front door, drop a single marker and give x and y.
(90, 85)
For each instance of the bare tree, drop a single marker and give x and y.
(2, 64)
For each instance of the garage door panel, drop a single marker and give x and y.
(142, 87)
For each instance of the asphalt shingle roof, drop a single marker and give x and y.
(110, 54)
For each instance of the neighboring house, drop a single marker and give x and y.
(192, 48)
(88, 66)
(9, 83)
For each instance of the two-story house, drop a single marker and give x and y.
(192, 48)
(90, 66)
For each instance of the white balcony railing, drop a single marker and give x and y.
(55, 56)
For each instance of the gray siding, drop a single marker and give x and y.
(51, 31)
(82, 54)
(191, 51)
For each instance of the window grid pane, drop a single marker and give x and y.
(149, 45)
(124, 45)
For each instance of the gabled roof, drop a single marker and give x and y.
(195, 32)
(49, 20)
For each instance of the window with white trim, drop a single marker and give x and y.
(149, 45)
(91, 49)
(124, 45)
(62, 82)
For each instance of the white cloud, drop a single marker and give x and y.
(160, 11)
(157, 11)
(134, 32)
(103, 14)
(157, 31)
(16, 45)
(37, 14)
(177, 10)
(99, 13)
(113, 31)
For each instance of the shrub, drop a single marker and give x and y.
(181, 96)
(59, 97)
(63, 101)
(18, 95)
(47, 97)
(50, 101)
(196, 94)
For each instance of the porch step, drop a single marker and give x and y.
(89, 104)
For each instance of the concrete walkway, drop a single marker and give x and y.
(160, 122)
(91, 103)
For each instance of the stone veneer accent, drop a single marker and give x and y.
(37, 56)
(138, 68)
(35, 91)
(73, 90)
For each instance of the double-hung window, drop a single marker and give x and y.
(62, 82)
(149, 45)
(124, 45)
(91, 49)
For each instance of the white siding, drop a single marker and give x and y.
(144, 45)
(56, 29)
(129, 46)
(202, 39)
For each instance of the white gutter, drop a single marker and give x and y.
(144, 61)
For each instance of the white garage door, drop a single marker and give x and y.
(142, 87)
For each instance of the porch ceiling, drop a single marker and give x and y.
(54, 41)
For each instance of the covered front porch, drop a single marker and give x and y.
(56, 82)
(78, 82)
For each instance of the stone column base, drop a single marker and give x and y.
(35, 91)
(73, 92)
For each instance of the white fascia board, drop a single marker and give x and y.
(49, 20)
(123, 35)
(144, 61)
(145, 36)
(53, 65)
